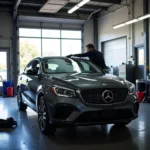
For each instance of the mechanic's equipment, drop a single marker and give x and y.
(126, 71)
(10, 91)
(8, 123)
(141, 85)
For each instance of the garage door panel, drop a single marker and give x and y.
(115, 52)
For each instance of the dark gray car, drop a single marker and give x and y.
(68, 92)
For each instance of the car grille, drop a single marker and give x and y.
(94, 96)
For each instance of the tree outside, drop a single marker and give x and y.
(27, 52)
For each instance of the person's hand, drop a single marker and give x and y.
(69, 56)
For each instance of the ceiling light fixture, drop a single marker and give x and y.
(73, 9)
(119, 26)
(131, 21)
(83, 2)
(144, 17)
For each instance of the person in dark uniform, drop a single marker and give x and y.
(95, 56)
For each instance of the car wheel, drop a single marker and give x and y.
(21, 105)
(122, 124)
(43, 118)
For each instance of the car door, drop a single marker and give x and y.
(33, 82)
(24, 79)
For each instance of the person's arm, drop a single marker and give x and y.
(81, 55)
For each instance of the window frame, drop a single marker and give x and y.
(41, 37)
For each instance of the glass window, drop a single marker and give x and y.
(71, 47)
(71, 34)
(3, 67)
(51, 47)
(29, 49)
(30, 32)
(141, 56)
(51, 33)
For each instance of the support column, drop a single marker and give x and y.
(146, 38)
(14, 52)
(95, 25)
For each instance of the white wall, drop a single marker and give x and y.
(5, 30)
(106, 23)
(138, 11)
(88, 33)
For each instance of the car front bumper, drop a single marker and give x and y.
(69, 111)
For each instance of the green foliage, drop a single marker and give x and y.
(27, 52)
(2, 66)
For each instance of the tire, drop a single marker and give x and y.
(21, 105)
(122, 124)
(43, 118)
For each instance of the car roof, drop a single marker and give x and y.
(59, 57)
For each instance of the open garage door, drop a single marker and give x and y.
(115, 52)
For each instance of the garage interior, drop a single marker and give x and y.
(39, 28)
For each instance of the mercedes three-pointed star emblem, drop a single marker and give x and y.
(107, 96)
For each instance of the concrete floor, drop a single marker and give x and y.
(27, 135)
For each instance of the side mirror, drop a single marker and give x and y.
(31, 72)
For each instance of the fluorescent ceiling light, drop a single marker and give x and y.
(73, 9)
(83, 2)
(144, 17)
(131, 21)
(119, 26)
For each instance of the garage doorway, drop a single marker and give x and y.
(4, 73)
(139, 61)
(115, 53)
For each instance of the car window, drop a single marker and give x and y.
(28, 67)
(87, 67)
(33, 65)
(65, 65)
(52, 66)
(36, 66)
(58, 66)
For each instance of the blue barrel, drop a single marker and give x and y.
(5, 85)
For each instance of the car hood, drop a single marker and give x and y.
(87, 81)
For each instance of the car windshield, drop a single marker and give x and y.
(66, 65)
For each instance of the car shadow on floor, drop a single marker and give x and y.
(93, 135)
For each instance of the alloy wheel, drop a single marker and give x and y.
(42, 114)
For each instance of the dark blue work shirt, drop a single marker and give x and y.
(95, 57)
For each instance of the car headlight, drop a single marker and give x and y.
(131, 87)
(62, 91)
